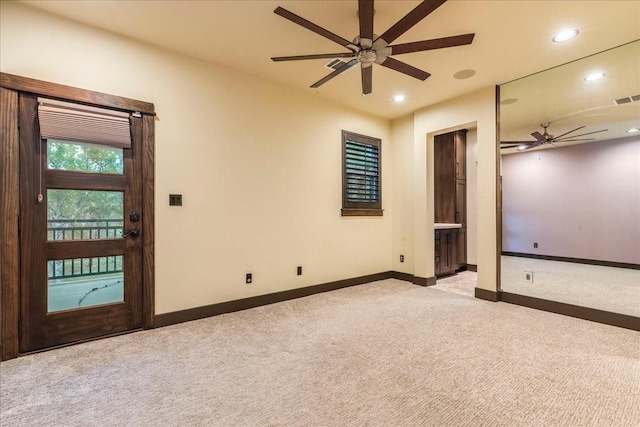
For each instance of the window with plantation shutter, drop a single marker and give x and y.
(361, 189)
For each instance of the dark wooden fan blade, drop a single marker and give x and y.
(339, 71)
(311, 26)
(534, 145)
(365, 13)
(404, 68)
(423, 45)
(574, 140)
(319, 56)
(537, 135)
(510, 146)
(367, 79)
(575, 136)
(411, 19)
(567, 133)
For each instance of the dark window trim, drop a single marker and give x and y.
(73, 94)
(351, 208)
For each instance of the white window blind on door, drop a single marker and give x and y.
(80, 123)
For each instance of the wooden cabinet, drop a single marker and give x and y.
(450, 200)
(437, 251)
(449, 169)
(460, 215)
(460, 145)
(461, 248)
(444, 168)
(447, 251)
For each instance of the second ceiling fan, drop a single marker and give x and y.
(546, 138)
(368, 49)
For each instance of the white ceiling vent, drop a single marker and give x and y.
(626, 99)
(334, 64)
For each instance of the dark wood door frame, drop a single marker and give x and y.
(10, 86)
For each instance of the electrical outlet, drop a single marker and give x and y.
(299, 270)
(401, 258)
(528, 276)
(535, 245)
(249, 279)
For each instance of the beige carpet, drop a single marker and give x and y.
(604, 288)
(463, 283)
(382, 354)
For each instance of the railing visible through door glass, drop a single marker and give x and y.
(76, 229)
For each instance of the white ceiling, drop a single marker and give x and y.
(513, 39)
(561, 97)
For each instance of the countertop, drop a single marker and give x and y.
(443, 225)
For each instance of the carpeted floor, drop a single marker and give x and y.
(463, 283)
(595, 286)
(386, 353)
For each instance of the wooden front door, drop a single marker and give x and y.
(80, 236)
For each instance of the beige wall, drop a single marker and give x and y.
(413, 148)
(403, 170)
(259, 165)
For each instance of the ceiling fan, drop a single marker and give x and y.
(368, 48)
(546, 138)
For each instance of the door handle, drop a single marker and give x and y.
(132, 232)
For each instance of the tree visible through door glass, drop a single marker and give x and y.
(84, 157)
(84, 214)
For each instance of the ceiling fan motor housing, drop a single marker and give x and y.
(367, 56)
(369, 51)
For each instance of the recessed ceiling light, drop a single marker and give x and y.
(594, 76)
(565, 35)
(399, 98)
(633, 130)
(464, 74)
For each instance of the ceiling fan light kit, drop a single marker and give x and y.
(368, 48)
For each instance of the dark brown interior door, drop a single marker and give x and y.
(80, 225)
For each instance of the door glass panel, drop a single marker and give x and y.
(84, 282)
(84, 157)
(84, 214)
